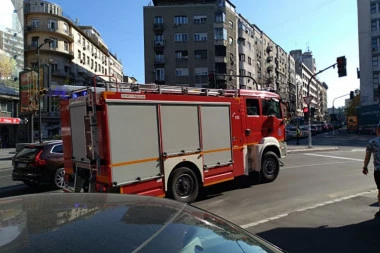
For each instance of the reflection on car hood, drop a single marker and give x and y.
(63, 222)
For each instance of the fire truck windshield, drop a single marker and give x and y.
(271, 107)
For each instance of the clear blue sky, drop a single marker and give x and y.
(327, 27)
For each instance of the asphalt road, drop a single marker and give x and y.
(321, 202)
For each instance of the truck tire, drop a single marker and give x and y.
(270, 167)
(184, 185)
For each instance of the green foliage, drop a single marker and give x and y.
(353, 104)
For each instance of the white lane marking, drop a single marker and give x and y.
(311, 165)
(358, 150)
(337, 157)
(245, 226)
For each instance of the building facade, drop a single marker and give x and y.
(186, 41)
(369, 50)
(74, 54)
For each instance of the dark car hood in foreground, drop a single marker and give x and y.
(63, 222)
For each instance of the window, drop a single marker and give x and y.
(53, 68)
(242, 72)
(200, 19)
(374, 25)
(242, 57)
(35, 40)
(220, 17)
(249, 45)
(220, 34)
(181, 72)
(231, 24)
(66, 46)
(375, 61)
(200, 37)
(271, 107)
(249, 61)
(52, 24)
(159, 74)
(200, 54)
(158, 20)
(65, 28)
(252, 106)
(201, 71)
(375, 79)
(373, 8)
(180, 20)
(241, 41)
(88, 60)
(57, 149)
(79, 54)
(158, 39)
(230, 40)
(35, 22)
(181, 54)
(180, 37)
(374, 43)
(54, 43)
(159, 57)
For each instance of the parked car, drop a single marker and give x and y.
(101, 222)
(40, 163)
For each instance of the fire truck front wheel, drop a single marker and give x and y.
(184, 185)
(270, 167)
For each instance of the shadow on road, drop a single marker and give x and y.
(360, 237)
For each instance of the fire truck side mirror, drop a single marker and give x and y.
(247, 132)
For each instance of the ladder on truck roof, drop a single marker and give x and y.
(158, 89)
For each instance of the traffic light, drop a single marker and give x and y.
(341, 62)
(312, 111)
(352, 95)
(211, 80)
(305, 113)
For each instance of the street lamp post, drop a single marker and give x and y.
(46, 41)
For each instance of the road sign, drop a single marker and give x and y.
(307, 100)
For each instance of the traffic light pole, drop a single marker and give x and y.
(308, 106)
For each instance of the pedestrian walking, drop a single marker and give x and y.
(298, 135)
(373, 147)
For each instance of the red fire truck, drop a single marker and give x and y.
(169, 141)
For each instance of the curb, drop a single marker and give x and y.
(311, 149)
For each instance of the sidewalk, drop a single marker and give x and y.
(7, 153)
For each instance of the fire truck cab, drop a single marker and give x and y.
(169, 141)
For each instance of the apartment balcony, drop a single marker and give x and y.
(270, 68)
(269, 58)
(159, 44)
(159, 62)
(158, 27)
(60, 72)
(67, 34)
(222, 59)
(220, 42)
(269, 48)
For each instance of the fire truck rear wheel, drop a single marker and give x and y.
(270, 167)
(184, 185)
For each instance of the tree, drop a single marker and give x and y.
(353, 104)
(7, 66)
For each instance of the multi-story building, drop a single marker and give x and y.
(184, 41)
(369, 51)
(184, 46)
(74, 54)
(314, 88)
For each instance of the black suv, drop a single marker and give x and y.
(40, 163)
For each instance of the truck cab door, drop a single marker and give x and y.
(272, 118)
(253, 121)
